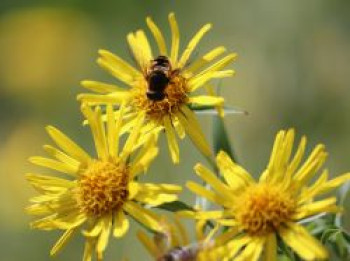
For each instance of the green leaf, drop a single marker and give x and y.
(175, 206)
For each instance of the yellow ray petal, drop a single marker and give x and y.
(294, 164)
(113, 98)
(153, 200)
(100, 87)
(68, 145)
(200, 79)
(206, 100)
(252, 251)
(44, 181)
(270, 253)
(145, 156)
(62, 241)
(97, 129)
(132, 139)
(175, 39)
(61, 156)
(149, 244)
(212, 180)
(191, 125)
(117, 67)
(325, 205)
(104, 236)
(55, 165)
(121, 224)
(334, 183)
(143, 215)
(302, 243)
(192, 45)
(204, 60)
(210, 195)
(312, 165)
(140, 48)
(88, 250)
(158, 36)
(235, 175)
(172, 142)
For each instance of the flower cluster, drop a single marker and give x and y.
(98, 194)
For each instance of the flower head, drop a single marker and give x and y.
(161, 87)
(256, 212)
(97, 194)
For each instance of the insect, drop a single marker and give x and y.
(179, 254)
(158, 77)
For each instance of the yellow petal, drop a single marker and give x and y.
(148, 244)
(200, 79)
(204, 60)
(61, 156)
(252, 251)
(325, 205)
(55, 165)
(206, 100)
(97, 99)
(212, 180)
(143, 215)
(68, 145)
(117, 67)
(104, 236)
(140, 48)
(145, 156)
(88, 250)
(191, 125)
(172, 142)
(131, 141)
(235, 175)
(175, 39)
(97, 129)
(270, 253)
(312, 165)
(100, 87)
(298, 156)
(302, 243)
(192, 45)
(121, 224)
(210, 195)
(158, 36)
(336, 182)
(62, 241)
(48, 181)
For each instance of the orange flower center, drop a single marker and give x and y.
(102, 188)
(263, 208)
(175, 95)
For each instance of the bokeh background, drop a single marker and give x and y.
(293, 71)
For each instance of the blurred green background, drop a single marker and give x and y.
(293, 71)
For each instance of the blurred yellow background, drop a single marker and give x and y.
(293, 71)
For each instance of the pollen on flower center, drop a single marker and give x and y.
(175, 95)
(263, 208)
(102, 188)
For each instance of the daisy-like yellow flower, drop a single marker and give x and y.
(174, 242)
(256, 212)
(97, 194)
(161, 87)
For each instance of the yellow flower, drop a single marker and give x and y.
(161, 86)
(174, 242)
(257, 212)
(97, 194)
